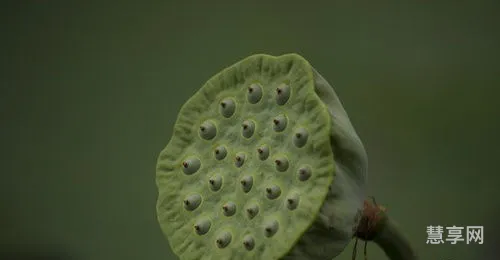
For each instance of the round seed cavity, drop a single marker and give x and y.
(220, 152)
(223, 239)
(292, 201)
(279, 123)
(304, 172)
(246, 183)
(270, 228)
(239, 160)
(229, 209)
(300, 137)
(192, 202)
(273, 192)
(202, 226)
(227, 107)
(254, 93)
(263, 152)
(248, 242)
(252, 210)
(208, 130)
(281, 163)
(215, 182)
(282, 94)
(247, 128)
(191, 165)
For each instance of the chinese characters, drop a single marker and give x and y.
(439, 235)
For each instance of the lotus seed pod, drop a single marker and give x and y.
(307, 166)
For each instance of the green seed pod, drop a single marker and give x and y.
(301, 204)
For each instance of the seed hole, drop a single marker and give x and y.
(227, 107)
(191, 165)
(208, 130)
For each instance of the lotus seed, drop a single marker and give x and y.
(281, 163)
(248, 128)
(191, 165)
(192, 202)
(282, 94)
(300, 137)
(246, 183)
(229, 209)
(202, 226)
(220, 152)
(227, 107)
(215, 182)
(292, 201)
(271, 228)
(263, 152)
(248, 242)
(239, 160)
(304, 173)
(208, 130)
(254, 93)
(223, 239)
(252, 211)
(273, 192)
(279, 123)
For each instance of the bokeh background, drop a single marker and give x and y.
(90, 91)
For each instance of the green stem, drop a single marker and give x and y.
(375, 225)
(392, 241)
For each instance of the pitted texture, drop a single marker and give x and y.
(251, 154)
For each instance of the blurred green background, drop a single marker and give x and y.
(90, 91)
